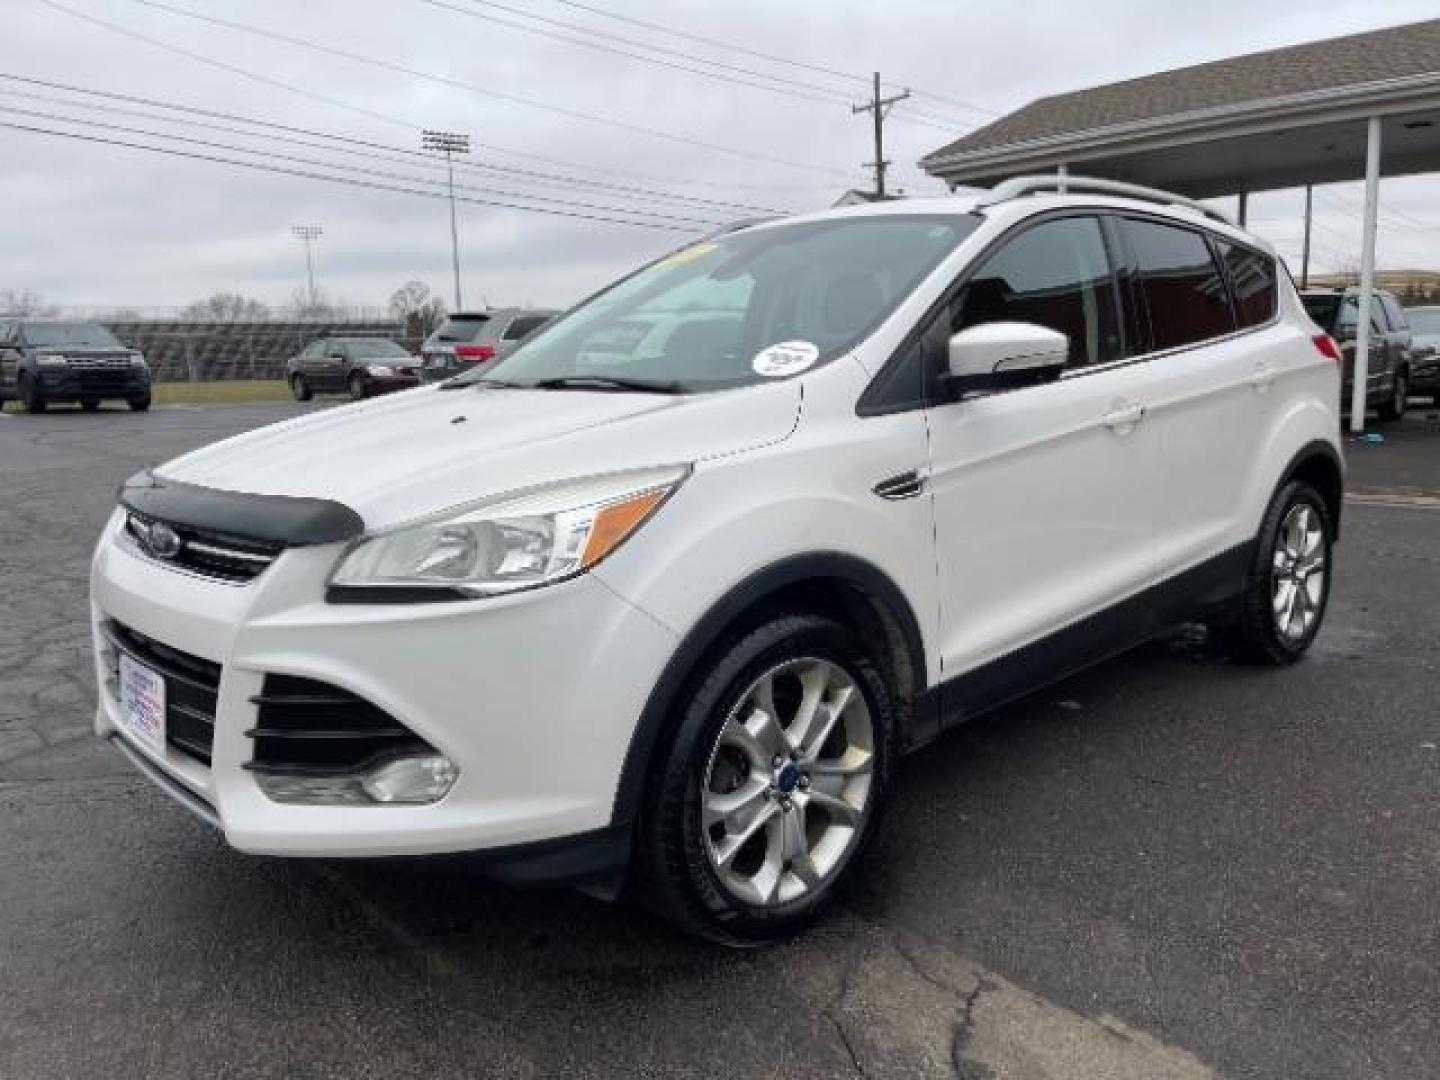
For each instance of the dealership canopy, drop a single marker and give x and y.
(1323, 112)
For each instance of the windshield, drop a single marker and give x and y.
(371, 349)
(1425, 320)
(462, 329)
(715, 314)
(89, 335)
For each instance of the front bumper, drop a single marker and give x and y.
(76, 382)
(381, 384)
(533, 696)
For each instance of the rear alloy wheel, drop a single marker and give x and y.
(1393, 407)
(772, 786)
(1288, 587)
(30, 396)
(357, 386)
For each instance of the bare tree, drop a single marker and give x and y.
(417, 309)
(317, 306)
(25, 302)
(225, 307)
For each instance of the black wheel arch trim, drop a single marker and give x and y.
(656, 717)
(286, 519)
(1319, 448)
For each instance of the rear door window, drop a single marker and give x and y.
(1183, 290)
(1252, 283)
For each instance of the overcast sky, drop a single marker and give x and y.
(94, 224)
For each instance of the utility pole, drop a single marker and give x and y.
(309, 234)
(449, 143)
(880, 107)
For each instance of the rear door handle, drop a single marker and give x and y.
(1125, 417)
(1262, 375)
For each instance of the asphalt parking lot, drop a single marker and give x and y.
(1167, 866)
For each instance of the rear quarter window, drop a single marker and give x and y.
(1185, 294)
(1252, 284)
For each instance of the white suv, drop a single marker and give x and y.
(674, 610)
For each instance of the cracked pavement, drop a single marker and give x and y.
(1166, 867)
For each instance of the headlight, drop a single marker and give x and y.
(49, 359)
(137, 360)
(516, 542)
(382, 370)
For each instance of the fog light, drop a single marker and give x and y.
(313, 790)
(420, 779)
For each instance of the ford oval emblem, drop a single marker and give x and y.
(163, 541)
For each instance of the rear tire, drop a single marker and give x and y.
(90, 405)
(30, 396)
(139, 404)
(752, 822)
(1393, 407)
(1288, 585)
(300, 388)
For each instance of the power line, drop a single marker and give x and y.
(458, 84)
(347, 180)
(772, 57)
(347, 142)
(381, 173)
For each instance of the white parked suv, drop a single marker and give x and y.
(669, 616)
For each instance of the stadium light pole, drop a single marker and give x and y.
(309, 234)
(449, 143)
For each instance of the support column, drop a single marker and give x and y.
(1243, 209)
(1367, 276)
(1305, 251)
(1062, 173)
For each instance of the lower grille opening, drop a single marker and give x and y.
(192, 685)
(309, 728)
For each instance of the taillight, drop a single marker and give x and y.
(476, 352)
(1326, 347)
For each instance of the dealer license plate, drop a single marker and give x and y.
(142, 703)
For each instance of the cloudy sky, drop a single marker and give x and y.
(556, 122)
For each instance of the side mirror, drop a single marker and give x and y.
(1004, 356)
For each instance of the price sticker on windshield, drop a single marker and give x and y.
(786, 358)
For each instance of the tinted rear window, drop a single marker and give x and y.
(76, 335)
(1252, 284)
(374, 348)
(1322, 308)
(462, 329)
(1184, 292)
(523, 325)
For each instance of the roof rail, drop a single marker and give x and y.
(1017, 186)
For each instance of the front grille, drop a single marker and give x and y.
(212, 554)
(192, 685)
(309, 727)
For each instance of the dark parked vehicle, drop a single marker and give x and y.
(359, 367)
(43, 362)
(1387, 385)
(471, 338)
(1425, 351)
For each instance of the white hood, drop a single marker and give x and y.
(410, 454)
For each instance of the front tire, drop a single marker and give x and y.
(300, 388)
(771, 786)
(1288, 586)
(139, 404)
(1393, 407)
(90, 404)
(30, 396)
(357, 387)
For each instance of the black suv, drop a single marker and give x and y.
(43, 362)
(1387, 385)
(353, 365)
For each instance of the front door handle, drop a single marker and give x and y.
(1124, 417)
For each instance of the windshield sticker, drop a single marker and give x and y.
(689, 254)
(786, 358)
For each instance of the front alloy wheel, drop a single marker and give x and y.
(787, 788)
(771, 783)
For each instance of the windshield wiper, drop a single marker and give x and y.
(465, 384)
(607, 382)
